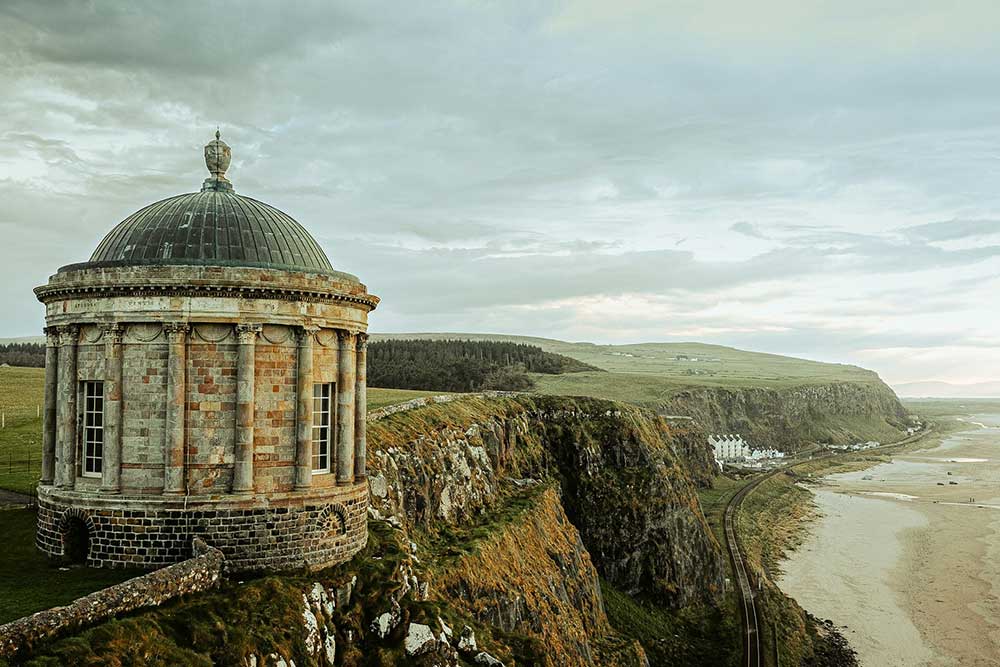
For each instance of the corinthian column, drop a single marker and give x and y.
(66, 432)
(361, 409)
(345, 409)
(173, 453)
(111, 476)
(49, 416)
(243, 464)
(304, 409)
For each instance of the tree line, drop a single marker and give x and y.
(23, 354)
(433, 365)
(462, 365)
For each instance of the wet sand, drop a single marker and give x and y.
(905, 561)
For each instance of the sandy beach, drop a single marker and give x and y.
(904, 560)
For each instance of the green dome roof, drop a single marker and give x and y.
(214, 227)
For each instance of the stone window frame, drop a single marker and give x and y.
(92, 421)
(322, 448)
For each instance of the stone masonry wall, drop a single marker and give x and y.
(144, 379)
(211, 408)
(294, 531)
(275, 370)
(199, 573)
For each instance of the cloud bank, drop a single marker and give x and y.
(798, 178)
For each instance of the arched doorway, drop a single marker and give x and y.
(76, 540)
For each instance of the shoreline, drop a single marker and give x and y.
(899, 555)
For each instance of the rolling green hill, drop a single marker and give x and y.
(655, 369)
(768, 398)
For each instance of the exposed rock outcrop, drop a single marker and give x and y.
(535, 577)
(834, 412)
(619, 469)
(490, 514)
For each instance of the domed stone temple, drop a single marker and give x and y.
(205, 377)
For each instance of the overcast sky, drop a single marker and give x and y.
(810, 178)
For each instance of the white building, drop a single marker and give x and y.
(729, 447)
(732, 448)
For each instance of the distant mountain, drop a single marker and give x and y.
(938, 389)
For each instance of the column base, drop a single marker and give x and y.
(110, 492)
(300, 487)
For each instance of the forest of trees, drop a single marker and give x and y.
(434, 365)
(462, 365)
(23, 354)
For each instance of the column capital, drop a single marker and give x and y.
(346, 337)
(69, 334)
(176, 331)
(51, 336)
(247, 333)
(362, 341)
(114, 333)
(305, 333)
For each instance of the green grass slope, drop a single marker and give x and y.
(662, 366)
(768, 398)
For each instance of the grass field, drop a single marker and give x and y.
(21, 395)
(30, 582)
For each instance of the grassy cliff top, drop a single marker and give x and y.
(648, 371)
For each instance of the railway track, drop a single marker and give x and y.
(752, 653)
(753, 619)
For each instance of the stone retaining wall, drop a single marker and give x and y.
(199, 573)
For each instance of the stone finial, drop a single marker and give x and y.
(218, 155)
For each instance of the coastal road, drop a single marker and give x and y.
(753, 620)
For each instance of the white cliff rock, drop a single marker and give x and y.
(419, 639)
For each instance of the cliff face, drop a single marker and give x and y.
(836, 413)
(622, 482)
(535, 577)
(491, 521)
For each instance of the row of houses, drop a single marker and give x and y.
(732, 448)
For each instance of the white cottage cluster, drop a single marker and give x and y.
(732, 448)
(858, 446)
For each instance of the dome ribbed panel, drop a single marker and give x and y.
(212, 227)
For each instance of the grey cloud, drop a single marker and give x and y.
(952, 230)
(748, 229)
(541, 157)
